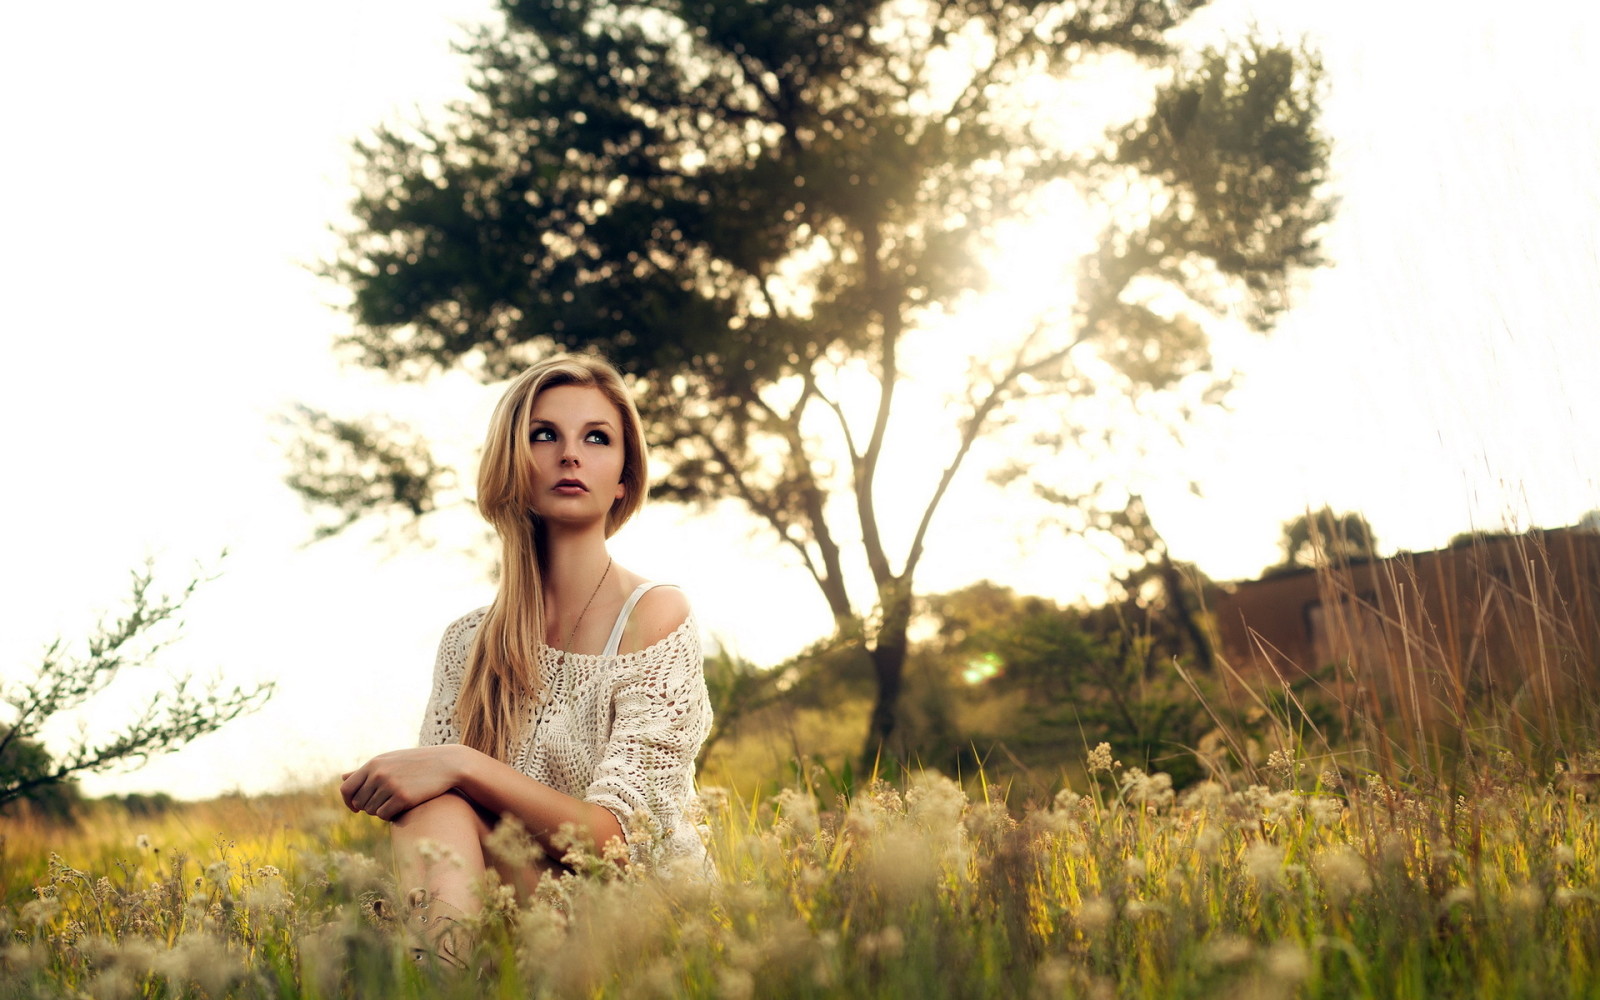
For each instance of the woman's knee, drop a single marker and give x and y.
(448, 809)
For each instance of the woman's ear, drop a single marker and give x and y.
(622, 491)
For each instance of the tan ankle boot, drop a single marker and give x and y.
(437, 930)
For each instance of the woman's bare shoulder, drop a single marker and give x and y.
(660, 612)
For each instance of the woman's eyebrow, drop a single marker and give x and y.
(541, 422)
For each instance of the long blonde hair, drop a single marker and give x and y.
(503, 664)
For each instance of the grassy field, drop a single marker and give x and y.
(1446, 847)
(1298, 888)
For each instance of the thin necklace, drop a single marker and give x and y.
(563, 657)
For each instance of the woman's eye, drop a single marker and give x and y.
(598, 437)
(542, 434)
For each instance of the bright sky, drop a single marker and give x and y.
(172, 166)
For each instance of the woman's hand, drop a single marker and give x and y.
(390, 783)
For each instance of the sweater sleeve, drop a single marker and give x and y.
(449, 667)
(661, 716)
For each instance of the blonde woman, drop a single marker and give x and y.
(577, 699)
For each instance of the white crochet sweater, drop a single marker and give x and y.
(620, 731)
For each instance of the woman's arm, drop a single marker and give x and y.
(390, 783)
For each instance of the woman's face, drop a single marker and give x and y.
(575, 437)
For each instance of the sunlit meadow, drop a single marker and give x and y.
(1451, 855)
(1293, 888)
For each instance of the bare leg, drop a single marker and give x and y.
(452, 823)
(526, 877)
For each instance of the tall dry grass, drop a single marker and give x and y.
(1443, 843)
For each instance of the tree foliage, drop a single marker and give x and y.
(1067, 677)
(748, 204)
(64, 682)
(1322, 537)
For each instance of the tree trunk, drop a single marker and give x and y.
(888, 663)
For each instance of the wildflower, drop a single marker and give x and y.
(1283, 766)
(1564, 856)
(713, 800)
(501, 899)
(1287, 962)
(1201, 797)
(889, 942)
(1153, 791)
(41, 911)
(429, 850)
(1264, 863)
(735, 984)
(202, 959)
(884, 796)
(798, 810)
(1526, 898)
(1343, 873)
(935, 802)
(1100, 759)
(1207, 842)
(1324, 810)
(142, 843)
(1135, 867)
(1094, 915)
(268, 871)
(1227, 949)
(1461, 895)
(511, 843)
(271, 899)
(990, 820)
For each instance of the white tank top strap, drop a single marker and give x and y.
(615, 642)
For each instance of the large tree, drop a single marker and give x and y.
(743, 202)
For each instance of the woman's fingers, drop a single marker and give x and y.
(377, 801)
(351, 787)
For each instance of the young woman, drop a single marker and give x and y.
(577, 699)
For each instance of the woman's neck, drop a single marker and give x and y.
(573, 565)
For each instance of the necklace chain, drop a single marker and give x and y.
(573, 634)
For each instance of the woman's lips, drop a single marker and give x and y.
(570, 486)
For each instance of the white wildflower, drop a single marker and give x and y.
(1343, 873)
(1227, 949)
(41, 911)
(1153, 791)
(713, 800)
(799, 810)
(511, 843)
(1564, 856)
(1100, 759)
(1461, 895)
(1202, 797)
(1264, 863)
(1095, 915)
(1287, 962)
(264, 900)
(1324, 810)
(935, 802)
(735, 984)
(1283, 765)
